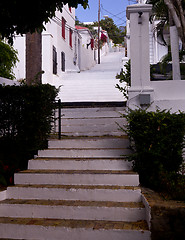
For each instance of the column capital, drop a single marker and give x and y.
(135, 8)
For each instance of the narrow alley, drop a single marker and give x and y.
(94, 85)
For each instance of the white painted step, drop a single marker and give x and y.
(79, 164)
(122, 178)
(111, 211)
(48, 229)
(83, 152)
(82, 193)
(84, 143)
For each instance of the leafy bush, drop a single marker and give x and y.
(8, 59)
(26, 113)
(124, 77)
(157, 139)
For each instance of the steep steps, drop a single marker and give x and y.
(79, 188)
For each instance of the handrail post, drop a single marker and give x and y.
(59, 119)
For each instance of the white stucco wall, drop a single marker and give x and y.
(20, 46)
(167, 94)
(6, 81)
(87, 60)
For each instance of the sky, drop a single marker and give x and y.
(115, 9)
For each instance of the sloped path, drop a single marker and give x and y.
(94, 85)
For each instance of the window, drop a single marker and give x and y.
(70, 38)
(54, 60)
(63, 61)
(63, 28)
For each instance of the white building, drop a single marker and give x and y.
(62, 48)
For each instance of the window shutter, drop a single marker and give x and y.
(54, 60)
(92, 43)
(63, 61)
(63, 28)
(70, 38)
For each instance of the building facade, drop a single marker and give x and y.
(62, 48)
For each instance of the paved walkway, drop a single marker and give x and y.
(94, 85)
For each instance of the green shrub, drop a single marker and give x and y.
(26, 113)
(157, 139)
(8, 59)
(173, 184)
(124, 77)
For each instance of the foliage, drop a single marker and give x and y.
(173, 184)
(113, 31)
(168, 57)
(157, 139)
(17, 16)
(89, 26)
(108, 25)
(8, 59)
(124, 77)
(103, 38)
(164, 67)
(169, 9)
(26, 113)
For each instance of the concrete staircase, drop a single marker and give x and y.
(80, 188)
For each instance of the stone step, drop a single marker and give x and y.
(83, 210)
(110, 127)
(101, 143)
(75, 192)
(26, 228)
(90, 152)
(79, 164)
(77, 113)
(92, 133)
(92, 121)
(81, 177)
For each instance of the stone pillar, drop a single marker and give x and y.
(33, 58)
(138, 14)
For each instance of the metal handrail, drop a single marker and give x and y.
(57, 128)
(59, 119)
